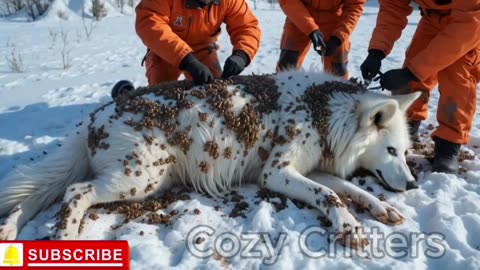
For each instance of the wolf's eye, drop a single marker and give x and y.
(392, 151)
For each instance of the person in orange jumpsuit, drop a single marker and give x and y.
(327, 24)
(180, 36)
(444, 50)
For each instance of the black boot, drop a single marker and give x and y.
(121, 88)
(413, 126)
(445, 156)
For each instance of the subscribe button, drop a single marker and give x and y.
(64, 255)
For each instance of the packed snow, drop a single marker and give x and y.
(42, 104)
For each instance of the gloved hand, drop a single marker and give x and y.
(371, 66)
(317, 40)
(396, 79)
(332, 45)
(235, 64)
(199, 72)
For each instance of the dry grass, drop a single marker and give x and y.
(15, 61)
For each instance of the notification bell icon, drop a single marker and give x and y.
(11, 256)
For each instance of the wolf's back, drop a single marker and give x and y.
(45, 181)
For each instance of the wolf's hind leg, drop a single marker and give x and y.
(292, 184)
(380, 210)
(103, 189)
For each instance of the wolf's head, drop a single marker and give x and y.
(382, 120)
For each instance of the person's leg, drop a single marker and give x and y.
(294, 47)
(336, 64)
(456, 109)
(158, 70)
(418, 111)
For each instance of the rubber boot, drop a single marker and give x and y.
(445, 158)
(413, 126)
(122, 88)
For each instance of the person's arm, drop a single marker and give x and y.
(391, 20)
(461, 35)
(296, 11)
(351, 11)
(152, 26)
(242, 27)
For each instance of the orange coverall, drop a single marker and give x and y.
(332, 17)
(173, 28)
(444, 49)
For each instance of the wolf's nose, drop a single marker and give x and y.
(412, 185)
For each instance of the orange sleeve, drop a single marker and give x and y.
(351, 11)
(242, 26)
(299, 15)
(391, 20)
(152, 26)
(460, 36)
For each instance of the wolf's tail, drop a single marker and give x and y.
(46, 181)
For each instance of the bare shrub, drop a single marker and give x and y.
(10, 7)
(36, 8)
(66, 48)
(15, 61)
(121, 5)
(9, 43)
(98, 9)
(88, 28)
(53, 37)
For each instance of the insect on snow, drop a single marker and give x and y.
(296, 133)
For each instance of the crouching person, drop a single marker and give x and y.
(327, 24)
(180, 36)
(445, 50)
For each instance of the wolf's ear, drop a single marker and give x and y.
(378, 113)
(405, 101)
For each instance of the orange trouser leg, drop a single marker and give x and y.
(295, 45)
(336, 64)
(158, 70)
(458, 98)
(457, 86)
(208, 57)
(424, 34)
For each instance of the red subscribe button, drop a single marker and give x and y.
(64, 255)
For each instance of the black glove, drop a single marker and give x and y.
(235, 64)
(317, 39)
(199, 72)
(396, 79)
(332, 45)
(371, 66)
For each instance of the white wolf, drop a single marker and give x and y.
(271, 129)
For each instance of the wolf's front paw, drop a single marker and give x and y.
(386, 214)
(352, 236)
(347, 229)
(8, 232)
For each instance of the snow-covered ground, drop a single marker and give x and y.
(40, 106)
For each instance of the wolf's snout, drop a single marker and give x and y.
(412, 185)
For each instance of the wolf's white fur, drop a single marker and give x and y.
(360, 129)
